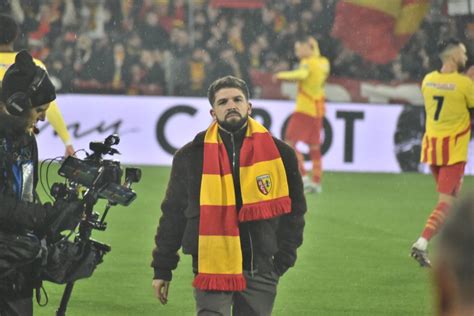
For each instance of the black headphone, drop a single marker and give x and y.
(19, 102)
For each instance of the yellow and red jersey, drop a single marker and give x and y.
(311, 76)
(447, 98)
(53, 114)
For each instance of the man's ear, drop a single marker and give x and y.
(250, 109)
(213, 114)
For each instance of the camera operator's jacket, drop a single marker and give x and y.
(267, 245)
(18, 179)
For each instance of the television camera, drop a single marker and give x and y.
(89, 180)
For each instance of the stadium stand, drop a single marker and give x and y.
(162, 47)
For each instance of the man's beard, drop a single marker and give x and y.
(233, 125)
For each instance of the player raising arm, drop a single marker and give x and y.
(306, 121)
(448, 96)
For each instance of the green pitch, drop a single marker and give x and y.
(354, 259)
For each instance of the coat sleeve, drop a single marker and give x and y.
(172, 222)
(290, 229)
(19, 215)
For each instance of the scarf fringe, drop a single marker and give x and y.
(265, 210)
(220, 282)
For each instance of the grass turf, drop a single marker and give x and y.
(354, 259)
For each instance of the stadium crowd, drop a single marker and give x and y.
(163, 47)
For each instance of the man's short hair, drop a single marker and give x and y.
(8, 29)
(303, 38)
(447, 44)
(456, 246)
(227, 82)
(306, 38)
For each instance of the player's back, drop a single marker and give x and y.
(313, 85)
(447, 98)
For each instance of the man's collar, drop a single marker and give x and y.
(237, 132)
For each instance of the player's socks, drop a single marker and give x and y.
(300, 158)
(421, 244)
(419, 252)
(315, 155)
(306, 179)
(435, 220)
(310, 186)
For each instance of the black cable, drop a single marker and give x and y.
(42, 181)
(79, 150)
(38, 296)
(47, 189)
(47, 171)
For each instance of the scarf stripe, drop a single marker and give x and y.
(222, 190)
(267, 151)
(226, 249)
(221, 221)
(265, 194)
(209, 165)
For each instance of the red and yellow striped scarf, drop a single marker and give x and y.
(264, 190)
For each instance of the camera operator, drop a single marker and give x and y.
(26, 94)
(9, 31)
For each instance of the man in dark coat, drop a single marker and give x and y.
(266, 240)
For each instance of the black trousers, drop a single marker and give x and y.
(256, 300)
(16, 306)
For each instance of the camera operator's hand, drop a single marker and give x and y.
(161, 290)
(64, 215)
(70, 151)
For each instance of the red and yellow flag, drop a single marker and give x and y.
(376, 29)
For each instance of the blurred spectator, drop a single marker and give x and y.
(234, 36)
(83, 57)
(95, 64)
(201, 28)
(153, 35)
(118, 71)
(198, 69)
(181, 52)
(133, 46)
(346, 63)
(61, 71)
(229, 63)
(255, 55)
(152, 80)
(398, 72)
(468, 28)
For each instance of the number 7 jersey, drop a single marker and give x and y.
(447, 98)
